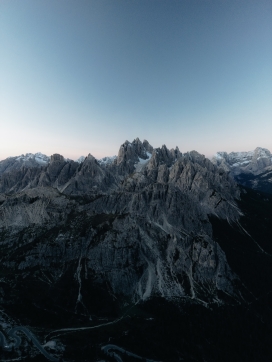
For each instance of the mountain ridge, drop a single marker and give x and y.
(134, 183)
(251, 169)
(244, 162)
(155, 241)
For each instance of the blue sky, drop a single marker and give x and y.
(84, 76)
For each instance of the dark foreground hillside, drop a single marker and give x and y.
(261, 182)
(180, 330)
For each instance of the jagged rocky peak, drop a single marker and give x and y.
(90, 177)
(135, 155)
(56, 158)
(165, 151)
(195, 156)
(131, 152)
(90, 166)
(164, 156)
(90, 157)
(90, 161)
(160, 156)
(176, 152)
(139, 148)
(262, 157)
(147, 146)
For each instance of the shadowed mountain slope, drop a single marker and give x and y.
(150, 229)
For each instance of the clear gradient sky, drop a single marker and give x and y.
(80, 76)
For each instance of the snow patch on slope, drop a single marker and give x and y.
(106, 160)
(142, 162)
(80, 159)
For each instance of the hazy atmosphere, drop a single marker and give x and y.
(79, 77)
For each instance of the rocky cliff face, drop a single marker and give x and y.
(139, 223)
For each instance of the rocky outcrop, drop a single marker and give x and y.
(56, 158)
(32, 207)
(90, 177)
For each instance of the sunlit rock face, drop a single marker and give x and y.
(139, 223)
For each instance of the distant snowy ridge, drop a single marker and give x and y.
(80, 159)
(102, 161)
(106, 160)
(34, 160)
(253, 162)
(28, 160)
(39, 157)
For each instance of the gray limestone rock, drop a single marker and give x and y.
(140, 223)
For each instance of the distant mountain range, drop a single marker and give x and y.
(252, 169)
(151, 253)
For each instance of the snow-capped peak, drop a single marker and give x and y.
(237, 162)
(106, 160)
(80, 159)
(39, 157)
